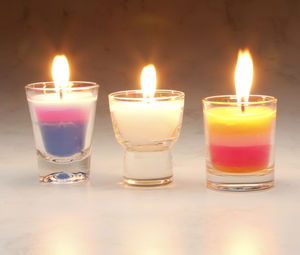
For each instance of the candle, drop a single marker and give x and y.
(240, 135)
(63, 122)
(142, 122)
(147, 122)
(63, 118)
(240, 142)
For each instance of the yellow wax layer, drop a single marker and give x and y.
(231, 120)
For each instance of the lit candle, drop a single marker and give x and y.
(63, 115)
(147, 120)
(240, 129)
(240, 142)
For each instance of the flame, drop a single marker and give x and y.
(148, 81)
(60, 73)
(243, 75)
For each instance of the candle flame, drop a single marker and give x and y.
(243, 75)
(60, 73)
(148, 81)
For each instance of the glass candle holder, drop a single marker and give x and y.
(147, 128)
(63, 127)
(239, 142)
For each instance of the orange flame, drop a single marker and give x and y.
(243, 75)
(148, 81)
(60, 73)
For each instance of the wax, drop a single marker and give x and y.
(63, 122)
(63, 139)
(145, 122)
(240, 141)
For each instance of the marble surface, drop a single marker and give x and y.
(194, 45)
(103, 216)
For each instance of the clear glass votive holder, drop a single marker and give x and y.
(147, 128)
(239, 142)
(63, 123)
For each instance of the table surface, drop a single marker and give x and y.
(105, 217)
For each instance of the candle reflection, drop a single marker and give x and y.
(153, 238)
(67, 237)
(247, 233)
(246, 241)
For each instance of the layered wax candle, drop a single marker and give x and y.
(62, 114)
(239, 133)
(240, 142)
(63, 122)
(147, 122)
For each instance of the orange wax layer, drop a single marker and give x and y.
(239, 170)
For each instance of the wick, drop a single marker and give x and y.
(61, 94)
(243, 104)
(148, 99)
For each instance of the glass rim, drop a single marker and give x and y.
(263, 99)
(124, 95)
(40, 86)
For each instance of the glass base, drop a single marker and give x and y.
(149, 183)
(148, 168)
(64, 178)
(255, 181)
(74, 171)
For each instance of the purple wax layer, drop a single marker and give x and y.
(63, 139)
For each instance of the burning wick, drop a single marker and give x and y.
(243, 104)
(243, 78)
(61, 74)
(148, 82)
(61, 94)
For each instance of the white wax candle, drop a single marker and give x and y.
(144, 122)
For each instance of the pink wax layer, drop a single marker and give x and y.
(46, 114)
(73, 107)
(240, 159)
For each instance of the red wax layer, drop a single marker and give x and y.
(240, 159)
(46, 114)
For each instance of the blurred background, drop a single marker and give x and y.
(193, 44)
